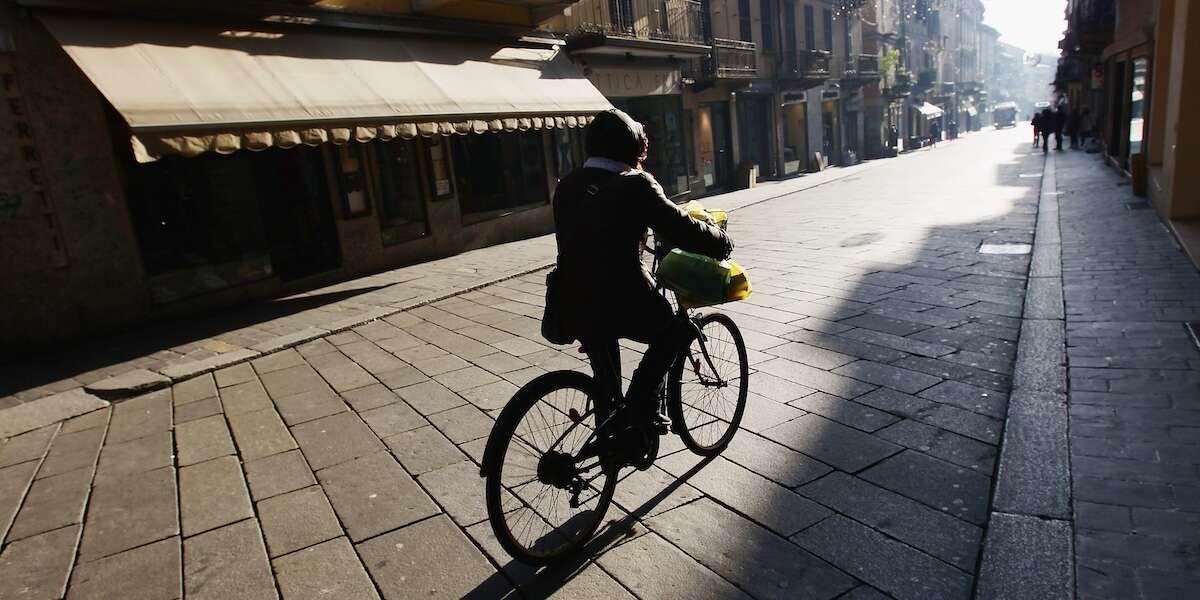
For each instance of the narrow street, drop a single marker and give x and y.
(884, 346)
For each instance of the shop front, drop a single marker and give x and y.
(755, 128)
(795, 133)
(652, 95)
(716, 154)
(260, 161)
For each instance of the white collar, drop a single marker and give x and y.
(608, 164)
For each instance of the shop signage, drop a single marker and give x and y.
(624, 83)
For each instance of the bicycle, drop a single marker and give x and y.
(552, 461)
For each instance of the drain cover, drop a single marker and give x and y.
(1005, 249)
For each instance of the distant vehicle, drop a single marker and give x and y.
(1005, 115)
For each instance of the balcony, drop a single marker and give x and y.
(868, 66)
(731, 59)
(804, 69)
(640, 27)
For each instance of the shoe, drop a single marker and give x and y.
(660, 423)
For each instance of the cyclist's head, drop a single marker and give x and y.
(616, 136)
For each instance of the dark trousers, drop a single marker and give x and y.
(605, 356)
(1074, 139)
(1058, 140)
(1045, 141)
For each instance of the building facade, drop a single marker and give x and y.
(168, 158)
(1132, 65)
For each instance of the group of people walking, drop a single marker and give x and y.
(1055, 122)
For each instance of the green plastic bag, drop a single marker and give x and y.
(699, 280)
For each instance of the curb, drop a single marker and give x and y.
(1028, 550)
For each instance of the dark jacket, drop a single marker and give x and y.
(600, 220)
(1036, 121)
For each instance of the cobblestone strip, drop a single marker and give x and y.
(1028, 551)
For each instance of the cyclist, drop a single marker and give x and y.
(601, 213)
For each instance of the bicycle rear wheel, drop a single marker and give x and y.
(708, 386)
(543, 503)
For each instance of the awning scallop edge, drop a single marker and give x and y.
(151, 147)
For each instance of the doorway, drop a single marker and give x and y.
(754, 132)
(297, 215)
(716, 157)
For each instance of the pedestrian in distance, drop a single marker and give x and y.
(1046, 127)
(1060, 122)
(1036, 121)
(1074, 123)
(935, 132)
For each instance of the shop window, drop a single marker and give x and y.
(214, 221)
(568, 150)
(497, 173)
(353, 180)
(670, 145)
(400, 197)
(440, 175)
(1137, 105)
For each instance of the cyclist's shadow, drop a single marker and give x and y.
(545, 582)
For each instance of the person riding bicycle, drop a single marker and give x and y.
(601, 213)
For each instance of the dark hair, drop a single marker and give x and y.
(616, 136)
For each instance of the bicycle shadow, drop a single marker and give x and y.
(545, 582)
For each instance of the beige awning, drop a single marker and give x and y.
(190, 88)
(930, 111)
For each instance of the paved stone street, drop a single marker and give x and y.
(883, 346)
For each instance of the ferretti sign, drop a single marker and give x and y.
(623, 83)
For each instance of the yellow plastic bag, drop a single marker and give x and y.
(711, 216)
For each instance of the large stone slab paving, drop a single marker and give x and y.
(330, 569)
(260, 433)
(372, 495)
(148, 453)
(948, 488)
(458, 489)
(194, 389)
(430, 558)
(150, 572)
(212, 494)
(245, 397)
(27, 446)
(943, 444)
(227, 563)
(768, 503)
(335, 439)
(71, 451)
(307, 406)
(130, 511)
(369, 397)
(815, 378)
(897, 569)
(203, 439)
(38, 567)
(278, 474)
(297, 520)
(199, 409)
(846, 412)
(945, 537)
(141, 416)
(757, 560)
(463, 424)
(1027, 557)
(772, 460)
(424, 449)
(53, 503)
(652, 568)
(832, 443)
(14, 484)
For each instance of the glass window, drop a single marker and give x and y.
(768, 25)
(810, 33)
(828, 30)
(506, 171)
(568, 150)
(401, 200)
(440, 175)
(215, 221)
(1137, 105)
(744, 24)
(351, 169)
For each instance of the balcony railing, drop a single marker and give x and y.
(868, 65)
(731, 59)
(806, 64)
(664, 20)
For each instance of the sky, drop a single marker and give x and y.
(1035, 25)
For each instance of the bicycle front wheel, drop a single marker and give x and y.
(545, 495)
(708, 386)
